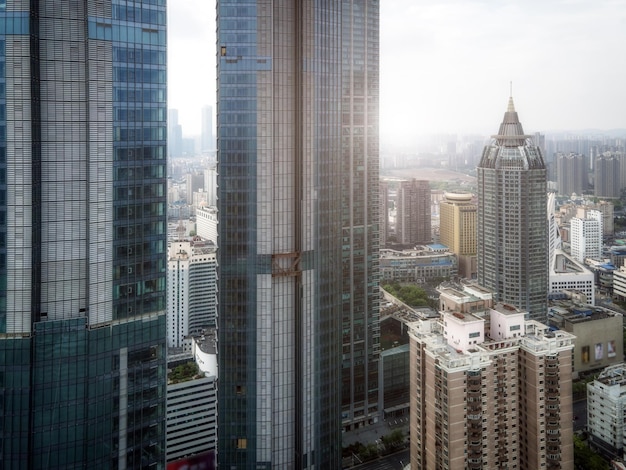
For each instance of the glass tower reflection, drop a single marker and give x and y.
(82, 246)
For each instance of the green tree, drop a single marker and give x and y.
(183, 372)
(586, 458)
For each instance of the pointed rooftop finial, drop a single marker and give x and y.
(511, 107)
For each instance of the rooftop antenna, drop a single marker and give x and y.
(511, 88)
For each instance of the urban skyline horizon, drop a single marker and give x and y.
(449, 65)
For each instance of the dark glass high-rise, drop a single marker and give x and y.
(83, 233)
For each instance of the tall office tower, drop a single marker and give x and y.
(607, 176)
(571, 174)
(82, 258)
(206, 137)
(281, 205)
(413, 213)
(512, 238)
(490, 389)
(608, 222)
(192, 284)
(194, 182)
(607, 209)
(174, 134)
(586, 236)
(210, 185)
(457, 229)
(360, 213)
(384, 213)
(621, 156)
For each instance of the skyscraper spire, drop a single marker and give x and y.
(512, 222)
(511, 133)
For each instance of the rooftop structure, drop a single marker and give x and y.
(598, 331)
(568, 274)
(420, 264)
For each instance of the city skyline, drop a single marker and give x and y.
(466, 63)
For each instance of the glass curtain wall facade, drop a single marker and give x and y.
(280, 162)
(82, 239)
(512, 239)
(361, 213)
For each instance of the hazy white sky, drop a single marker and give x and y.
(446, 65)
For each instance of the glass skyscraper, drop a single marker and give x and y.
(297, 111)
(83, 233)
(361, 213)
(512, 238)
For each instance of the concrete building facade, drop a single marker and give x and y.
(192, 286)
(598, 331)
(191, 425)
(457, 230)
(606, 411)
(586, 237)
(490, 389)
(568, 274)
(413, 213)
(571, 174)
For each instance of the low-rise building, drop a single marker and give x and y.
(598, 331)
(619, 283)
(568, 274)
(191, 425)
(419, 265)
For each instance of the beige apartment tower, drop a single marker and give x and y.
(457, 230)
(489, 390)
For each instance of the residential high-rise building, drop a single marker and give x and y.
(192, 285)
(174, 134)
(607, 176)
(206, 223)
(457, 230)
(384, 213)
(193, 183)
(586, 236)
(512, 238)
(291, 224)
(413, 225)
(489, 389)
(571, 174)
(83, 252)
(207, 142)
(210, 185)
